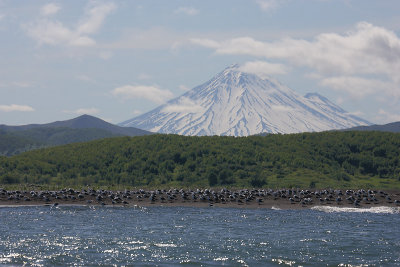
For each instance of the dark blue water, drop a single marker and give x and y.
(198, 236)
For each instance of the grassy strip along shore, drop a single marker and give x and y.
(307, 160)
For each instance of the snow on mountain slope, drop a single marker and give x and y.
(240, 104)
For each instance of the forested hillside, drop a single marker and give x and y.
(328, 159)
(11, 144)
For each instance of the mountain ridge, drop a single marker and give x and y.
(393, 127)
(80, 122)
(18, 139)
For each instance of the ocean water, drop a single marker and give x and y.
(170, 236)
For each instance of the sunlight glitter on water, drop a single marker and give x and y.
(43, 236)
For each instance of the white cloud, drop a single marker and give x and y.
(236, 46)
(20, 84)
(85, 78)
(367, 50)
(185, 105)
(153, 38)
(53, 32)
(340, 100)
(191, 11)
(206, 43)
(183, 87)
(136, 112)
(313, 75)
(357, 113)
(151, 93)
(81, 111)
(105, 55)
(94, 18)
(82, 41)
(263, 69)
(144, 76)
(13, 107)
(50, 32)
(387, 117)
(50, 9)
(268, 5)
(360, 87)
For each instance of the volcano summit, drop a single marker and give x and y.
(237, 103)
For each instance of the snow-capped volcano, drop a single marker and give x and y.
(240, 104)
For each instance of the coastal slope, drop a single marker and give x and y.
(307, 160)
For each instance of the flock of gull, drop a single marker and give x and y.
(304, 198)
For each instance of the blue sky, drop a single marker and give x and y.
(117, 59)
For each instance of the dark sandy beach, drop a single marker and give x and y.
(245, 198)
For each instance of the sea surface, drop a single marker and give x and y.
(170, 236)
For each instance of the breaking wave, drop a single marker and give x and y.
(382, 209)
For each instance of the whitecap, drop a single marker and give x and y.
(312, 240)
(162, 245)
(242, 262)
(381, 209)
(275, 208)
(286, 262)
(351, 265)
(22, 206)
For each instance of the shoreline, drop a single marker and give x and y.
(285, 199)
(178, 205)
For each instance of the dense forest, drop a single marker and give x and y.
(307, 160)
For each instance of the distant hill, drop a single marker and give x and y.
(393, 127)
(17, 139)
(81, 122)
